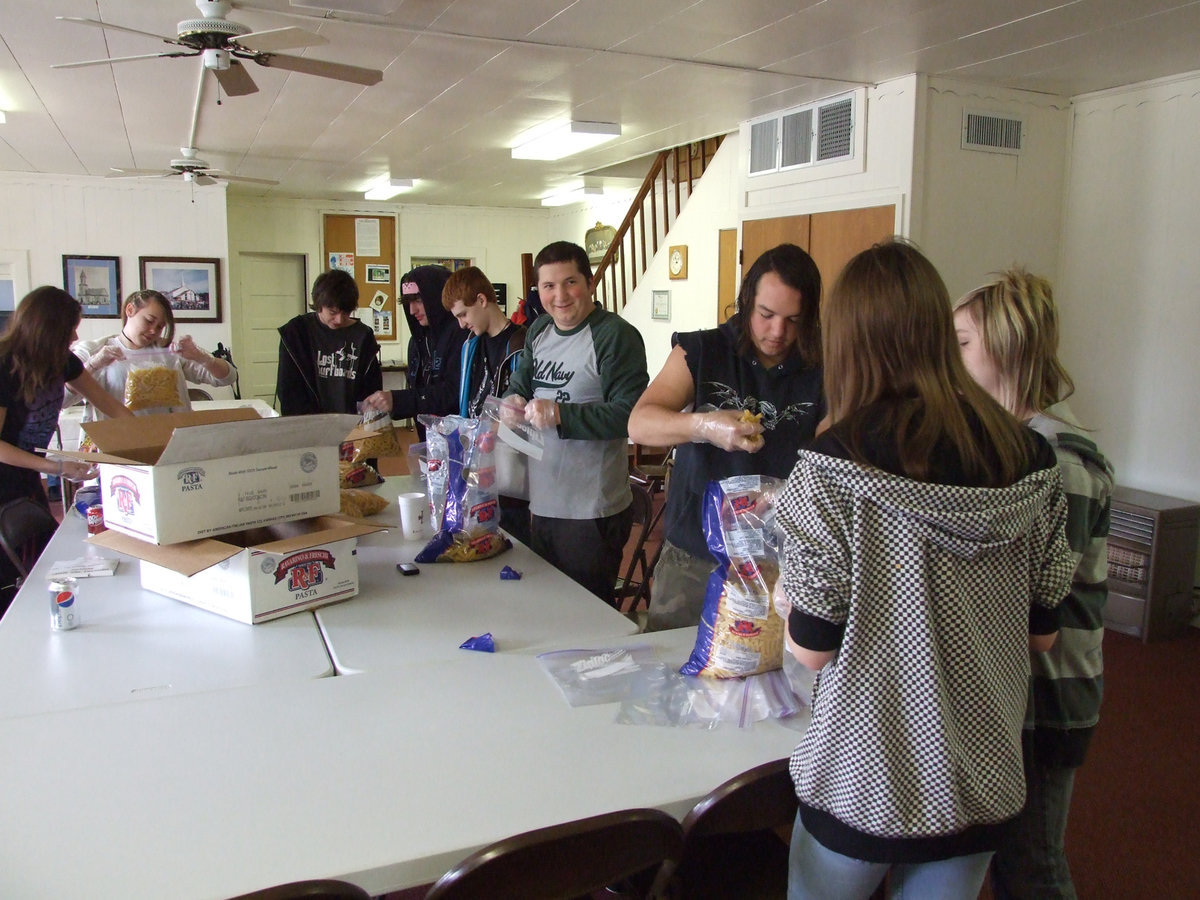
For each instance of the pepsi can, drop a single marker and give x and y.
(64, 604)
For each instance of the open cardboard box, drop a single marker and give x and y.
(256, 575)
(178, 477)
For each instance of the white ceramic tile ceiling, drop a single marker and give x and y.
(462, 78)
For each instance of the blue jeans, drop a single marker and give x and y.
(1031, 862)
(818, 873)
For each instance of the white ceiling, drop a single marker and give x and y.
(463, 78)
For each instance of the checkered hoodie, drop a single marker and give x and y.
(914, 750)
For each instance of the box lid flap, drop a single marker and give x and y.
(238, 438)
(190, 557)
(187, 558)
(142, 438)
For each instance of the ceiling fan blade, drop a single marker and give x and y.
(203, 179)
(320, 67)
(279, 39)
(236, 81)
(118, 59)
(139, 173)
(241, 179)
(110, 27)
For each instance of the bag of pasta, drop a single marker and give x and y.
(155, 382)
(360, 503)
(375, 436)
(464, 451)
(740, 633)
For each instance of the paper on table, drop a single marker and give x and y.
(84, 567)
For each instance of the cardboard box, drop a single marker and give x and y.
(172, 478)
(257, 575)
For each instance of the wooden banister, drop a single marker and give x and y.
(629, 254)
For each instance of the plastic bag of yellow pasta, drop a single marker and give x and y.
(155, 383)
(740, 633)
(360, 503)
(382, 440)
(464, 450)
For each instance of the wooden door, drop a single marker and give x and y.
(760, 235)
(835, 237)
(273, 289)
(367, 244)
(728, 280)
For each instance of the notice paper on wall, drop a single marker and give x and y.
(366, 237)
(343, 262)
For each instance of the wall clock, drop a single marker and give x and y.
(677, 261)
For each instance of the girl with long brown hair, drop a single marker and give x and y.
(35, 363)
(924, 554)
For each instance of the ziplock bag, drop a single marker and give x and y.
(154, 382)
(518, 443)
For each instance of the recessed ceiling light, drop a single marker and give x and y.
(387, 188)
(561, 139)
(572, 196)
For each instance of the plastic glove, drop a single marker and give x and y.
(512, 410)
(106, 356)
(725, 428)
(186, 347)
(783, 606)
(381, 400)
(542, 413)
(77, 471)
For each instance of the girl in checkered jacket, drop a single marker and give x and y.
(924, 554)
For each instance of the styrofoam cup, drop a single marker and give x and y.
(414, 513)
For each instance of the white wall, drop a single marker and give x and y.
(977, 212)
(495, 238)
(53, 215)
(1129, 278)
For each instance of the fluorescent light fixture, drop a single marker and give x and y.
(572, 196)
(387, 188)
(2, 117)
(563, 139)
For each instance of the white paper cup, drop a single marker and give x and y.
(414, 513)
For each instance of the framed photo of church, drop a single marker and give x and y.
(191, 284)
(95, 281)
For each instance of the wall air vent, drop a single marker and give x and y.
(992, 133)
(835, 122)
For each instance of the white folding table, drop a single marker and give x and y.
(385, 779)
(134, 644)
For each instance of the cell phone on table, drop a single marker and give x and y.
(407, 569)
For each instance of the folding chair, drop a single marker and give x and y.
(25, 529)
(730, 846)
(564, 861)
(634, 585)
(309, 890)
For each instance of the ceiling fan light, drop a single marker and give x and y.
(216, 59)
(563, 139)
(387, 188)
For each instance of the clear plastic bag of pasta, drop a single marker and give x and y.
(155, 383)
(740, 633)
(462, 456)
(375, 436)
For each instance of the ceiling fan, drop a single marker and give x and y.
(223, 44)
(193, 169)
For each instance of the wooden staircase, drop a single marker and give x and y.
(654, 209)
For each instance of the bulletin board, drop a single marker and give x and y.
(365, 246)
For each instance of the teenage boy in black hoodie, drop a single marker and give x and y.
(434, 351)
(328, 360)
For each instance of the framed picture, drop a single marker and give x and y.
(192, 285)
(378, 274)
(660, 305)
(95, 281)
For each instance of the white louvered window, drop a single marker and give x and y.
(803, 136)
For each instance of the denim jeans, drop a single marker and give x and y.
(818, 873)
(1031, 861)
